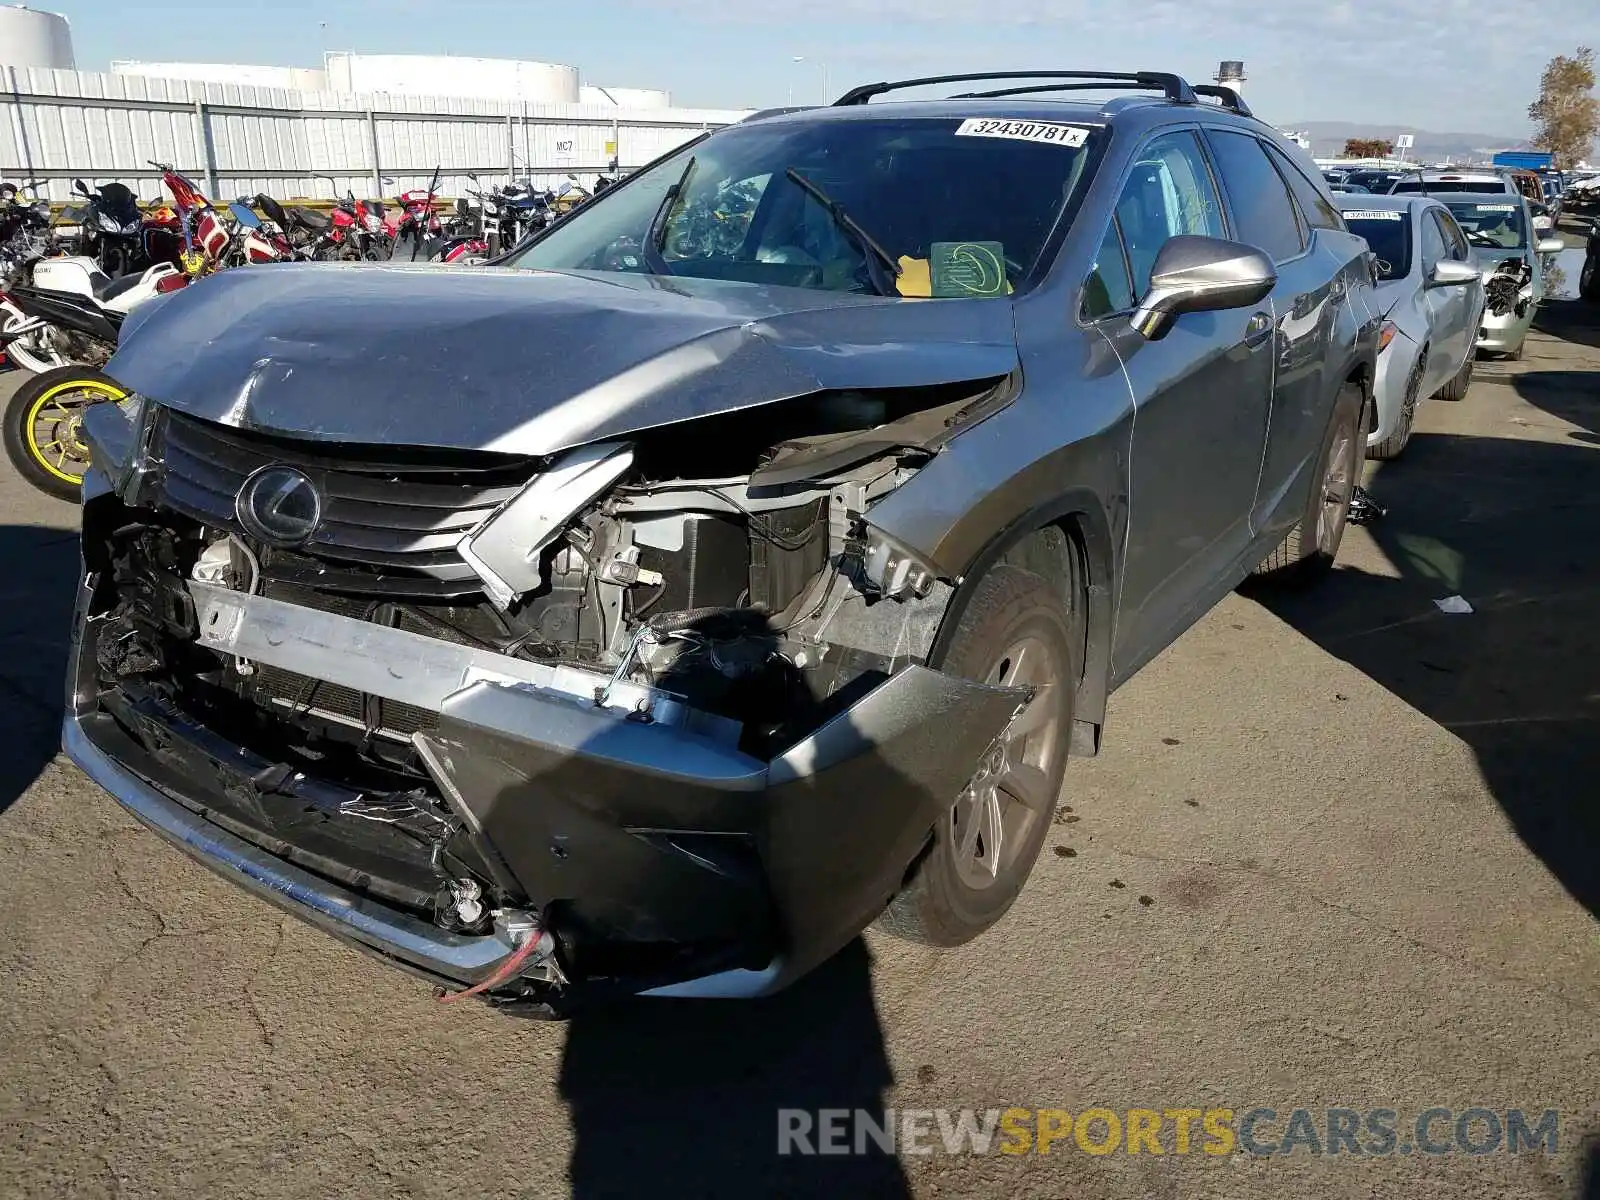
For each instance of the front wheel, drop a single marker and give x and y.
(44, 426)
(1589, 279)
(1015, 632)
(1456, 389)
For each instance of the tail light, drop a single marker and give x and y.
(171, 283)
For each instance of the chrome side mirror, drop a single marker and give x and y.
(1201, 274)
(1550, 246)
(1448, 271)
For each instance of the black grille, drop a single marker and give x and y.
(387, 512)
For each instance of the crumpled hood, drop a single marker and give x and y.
(1490, 259)
(527, 362)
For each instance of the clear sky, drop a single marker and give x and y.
(1455, 65)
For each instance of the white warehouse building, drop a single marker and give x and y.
(375, 124)
(407, 75)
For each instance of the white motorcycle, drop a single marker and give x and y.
(66, 310)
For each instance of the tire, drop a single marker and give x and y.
(951, 897)
(1456, 389)
(51, 403)
(1589, 279)
(1516, 355)
(1392, 446)
(1306, 555)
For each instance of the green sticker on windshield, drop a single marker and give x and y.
(968, 268)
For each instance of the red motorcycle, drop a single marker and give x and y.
(203, 238)
(419, 223)
(357, 229)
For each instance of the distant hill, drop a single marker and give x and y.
(1328, 138)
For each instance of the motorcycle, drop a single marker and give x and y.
(419, 223)
(257, 241)
(305, 234)
(27, 234)
(74, 313)
(112, 227)
(357, 228)
(43, 422)
(204, 239)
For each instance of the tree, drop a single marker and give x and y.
(1566, 114)
(1367, 148)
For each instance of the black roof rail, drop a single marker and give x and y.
(1231, 100)
(1177, 88)
(1036, 88)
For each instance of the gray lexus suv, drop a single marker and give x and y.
(734, 564)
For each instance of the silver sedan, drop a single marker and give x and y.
(1430, 291)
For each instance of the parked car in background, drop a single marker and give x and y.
(1430, 293)
(1439, 182)
(1446, 182)
(667, 666)
(1499, 227)
(1375, 180)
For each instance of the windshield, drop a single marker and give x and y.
(1496, 226)
(1389, 236)
(960, 207)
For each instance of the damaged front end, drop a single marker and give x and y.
(658, 708)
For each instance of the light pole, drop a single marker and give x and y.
(800, 58)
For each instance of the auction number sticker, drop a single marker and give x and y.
(1496, 208)
(1369, 214)
(1071, 136)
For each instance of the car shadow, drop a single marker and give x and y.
(1509, 524)
(1576, 321)
(683, 1098)
(36, 597)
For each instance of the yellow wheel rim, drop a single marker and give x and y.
(59, 417)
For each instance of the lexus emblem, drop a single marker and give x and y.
(280, 506)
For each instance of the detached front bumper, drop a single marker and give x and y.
(632, 814)
(1502, 333)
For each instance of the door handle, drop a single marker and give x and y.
(1258, 329)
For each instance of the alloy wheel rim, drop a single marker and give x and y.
(55, 432)
(1010, 791)
(1338, 486)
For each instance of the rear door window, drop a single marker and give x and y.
(1262, 208)
(1314, 206)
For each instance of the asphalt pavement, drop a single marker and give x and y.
(1342, 850)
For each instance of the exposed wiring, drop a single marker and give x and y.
(508, 968)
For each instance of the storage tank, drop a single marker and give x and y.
(612, 97)
(448, 75)
(30, 38)
(245, 74)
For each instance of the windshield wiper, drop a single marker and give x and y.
(655, 237)
(855, 233)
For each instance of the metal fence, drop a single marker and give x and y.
(236, 140)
